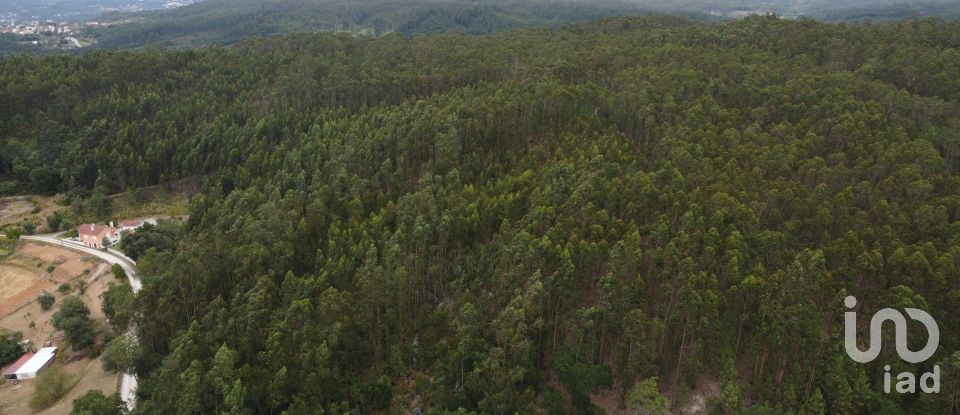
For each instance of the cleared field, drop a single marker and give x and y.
(11, 278)
(23, 276)
(85, 375)
(143, 202)
(35, 268)
(16, 209)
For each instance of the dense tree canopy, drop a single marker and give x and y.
(226, 21)
(74, 319)
(96, 403)
(9, 347)
(160, 236)
(522, 221)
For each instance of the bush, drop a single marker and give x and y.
(74, 319)
(96, 351)
(10, 347)
(51, 267)
(117, 304)
(54, 221)
(64, 288)
(29, 227)
(96, 403)
(645, 398)
(67, 225)
(99, 204)
(119, 272)
(46, 300)
(13, 232)
(581, 379)
(553, 401)
(162, 236)
(121, 353)
(50, 385)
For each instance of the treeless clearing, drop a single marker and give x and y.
(145, 202)
(86, 375)
(16, 209)
(23, 276)
(12, 277)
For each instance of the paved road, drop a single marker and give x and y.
(128, 384)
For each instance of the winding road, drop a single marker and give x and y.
(128, 383)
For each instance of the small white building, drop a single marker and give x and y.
(29, 369)
(130, 225)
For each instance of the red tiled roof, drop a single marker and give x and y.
(96, 230)
(9, 370)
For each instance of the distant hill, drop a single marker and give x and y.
(74, 10)
(226, 21)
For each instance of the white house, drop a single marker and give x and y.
(130, 225)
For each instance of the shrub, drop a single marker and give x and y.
(121, 353)
(96, 351)
(13, 232)
(74, 319)
(64, 288)
(117, 304)
(46, 300)
(29, 227)
(118, 272)
(581, 379)
(50, 385)
(51, 267)
(67, 225)
(162, 236)
(553, 401)
(9, 347)
(645, 398)
(96, 403)
(54, 221)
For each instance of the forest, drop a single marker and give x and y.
(226, 21)
(629, 214)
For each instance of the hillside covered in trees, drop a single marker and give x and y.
(227, 21)
(628, 213)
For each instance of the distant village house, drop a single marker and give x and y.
(130, 225)
(93, 235)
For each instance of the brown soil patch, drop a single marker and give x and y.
(13, 209)
(27, 318)
(85, 374)
(16, 209)
(24, 274)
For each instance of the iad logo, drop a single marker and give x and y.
(906, 381)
